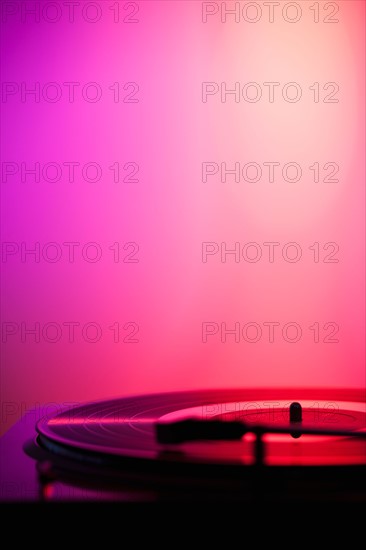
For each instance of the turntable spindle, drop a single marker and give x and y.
(295, 412)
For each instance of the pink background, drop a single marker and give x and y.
(169, 212)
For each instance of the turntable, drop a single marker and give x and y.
(240, 444)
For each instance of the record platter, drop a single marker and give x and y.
(239, 444)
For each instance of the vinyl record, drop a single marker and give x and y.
(123, 432)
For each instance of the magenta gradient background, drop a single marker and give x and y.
(170, 212)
